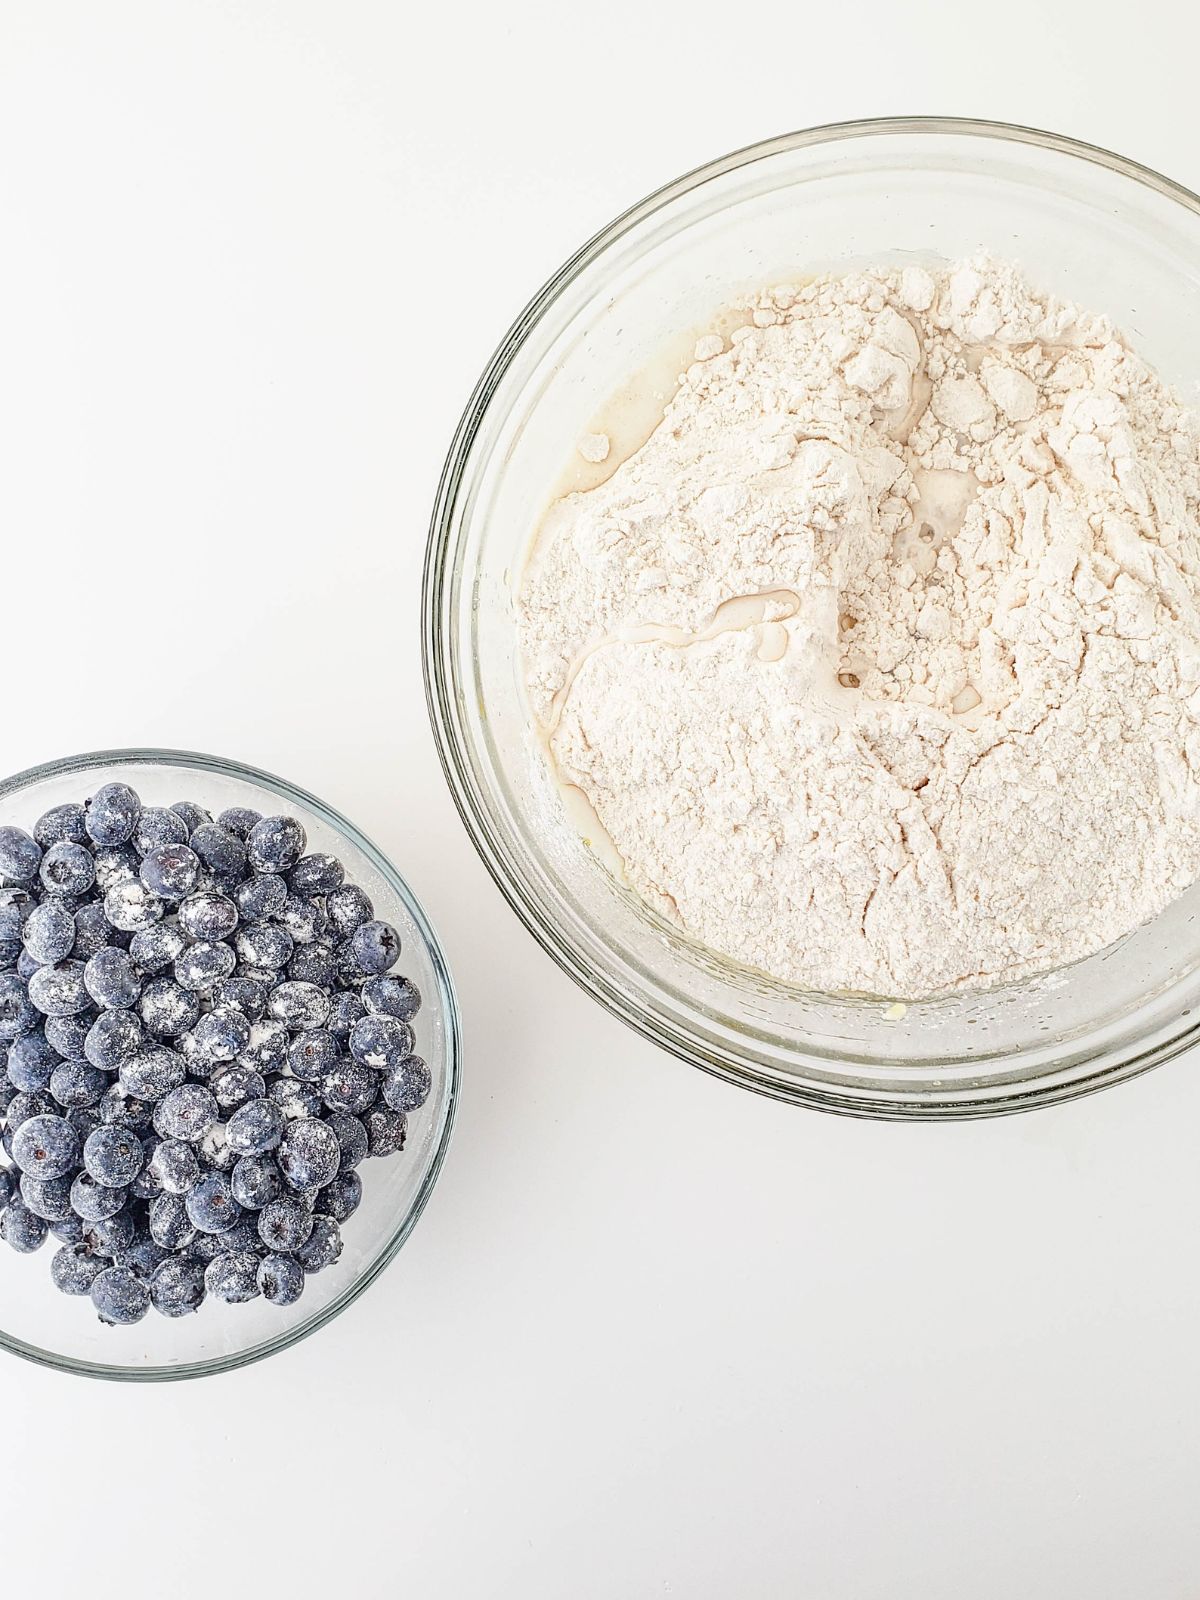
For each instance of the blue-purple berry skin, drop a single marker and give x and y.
(95, 1202)
(120, 1297)
(232, 1276)
(246, 995)
(152, 1073)
(232, 1086)
(168, 1008)
(203, 965)
(208, 915)
(170, 871)
(158, 825)
(309, 1156)
(111, 815)
(323, 1245)
(20, 854)
(255, 1128)
(381, 1042)
(406, 1087)
(119, 1109)
(112, 1235)
(74, 1269)
(239, 820)
(268, 1046)
(284, 1224)
(75, 1084)
(376, 947)
(118, 864)
(59, 823)
(177, 1287)
(20, 1229)
(31, 1061)
(46, 1146)
(68, 1035)
(264, 946)
(130, 906)
(341, 1198)
(349, 1086)
(186, 1112)
(312, 1053)
(67, 868)
(49, 933)
(156, 949)
(113, 1157)
(111, 979)
(192, 815)
(280, 1279)
(8, 1186)
(211, 1207)
(223, 1033)
(16, 908)
(113, 1038)
(261, 896)
(48, 1198)
(392, 997)
(296, 1100)
(316, 874)
(299, 1005)
(170, 1225)
(176, 1166)
(59, 991)
(275, 844)
(351, 1137)
(347, 908)
(386, 1130)
(255, 1182)
(221, 851)
(92, 931)
(314, 963)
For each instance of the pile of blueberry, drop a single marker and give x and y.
(200, 1040)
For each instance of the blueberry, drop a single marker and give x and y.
(16, 908)
(275, 844)
(120, 1297)
(208, 915)
(92, 931)
(316, 874)
(268, 1047)
(167, 1008)
(85, 1120)
(75, 1084)
(24, 1106)
(170, 1225)
(255, 1182)
(68, 868)
(177, 1286)
(170, 871)
(351, 1137)
(49, 933)
(304, 919)
(158, 825)
(281, 1279)
(175, 1165)
(376, 946)
(118, 864)
(20, 1229)
(210, 1204)
(130, 906)
(264, 945)
(152, 1073)
(239, 820)
(392, 997)
(193, 816)
(348, 1086)
(121, 1110)
(296, 1100)
(59, 991)
(385, 1130)
(312, 1053)
(284, 1224)
(313, 963)
(299, 1005)
(59, 823)
(187, 1112)
(348, 908)
(95, 1202)
(74, 1269)
(31, 1060)
(157, 948)
(347, 1009)
(47, 1146)
(261, 896)
(381, 1042)
(310, 1154)
(143, 1254)
(48, 1198)
(15, 958)
(322, 1247)
(8, 1186)
(243, 994)
(204, 965)
(255, 1128)
(112, 1039)
(68, 1232)
(234, 1085)
(111, 979)
(341, 1198)
(232, 1276)
(146, 1185)
(20, 854)
(221, 851)
(113, 1157)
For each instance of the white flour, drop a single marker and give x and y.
(953, 736)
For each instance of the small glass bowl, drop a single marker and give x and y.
(1084, 223)
(64, 1332)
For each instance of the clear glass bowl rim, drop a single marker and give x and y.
(192, 760)
(441, 674)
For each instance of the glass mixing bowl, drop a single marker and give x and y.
(1087, 224)
(45, 1326)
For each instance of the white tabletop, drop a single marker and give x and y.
(653, 1335)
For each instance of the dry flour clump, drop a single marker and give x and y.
(880, 661)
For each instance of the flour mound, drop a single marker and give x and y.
(880, 661)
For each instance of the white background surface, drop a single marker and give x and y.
(653, 1335)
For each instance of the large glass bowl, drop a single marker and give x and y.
(1090, 225)
(45, 1326)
